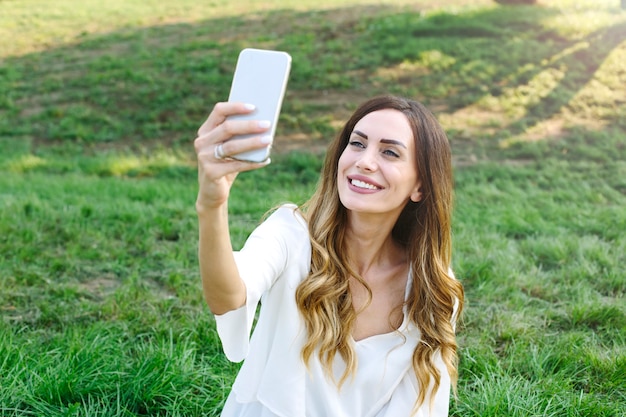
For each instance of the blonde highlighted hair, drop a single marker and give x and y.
(423, 229)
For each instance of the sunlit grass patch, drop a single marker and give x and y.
(26, 163)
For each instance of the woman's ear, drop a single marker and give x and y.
(416, 195)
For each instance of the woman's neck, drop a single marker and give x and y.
(369, 243)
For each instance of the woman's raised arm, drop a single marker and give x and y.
(223, 288)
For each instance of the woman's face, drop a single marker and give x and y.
(377, 171)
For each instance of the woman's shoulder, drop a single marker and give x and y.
(284, 223)
(288, 214)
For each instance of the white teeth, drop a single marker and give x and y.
(362, 184)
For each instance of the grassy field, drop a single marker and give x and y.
(100, 300)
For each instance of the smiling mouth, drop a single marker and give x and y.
(363, 184)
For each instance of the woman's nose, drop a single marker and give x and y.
(367, 161)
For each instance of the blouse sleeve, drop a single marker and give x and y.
(260, 262)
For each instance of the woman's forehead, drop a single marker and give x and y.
(385, 124)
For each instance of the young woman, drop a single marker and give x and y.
(358, 299)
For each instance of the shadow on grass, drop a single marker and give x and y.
(582, 64)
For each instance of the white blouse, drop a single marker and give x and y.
(273, 380)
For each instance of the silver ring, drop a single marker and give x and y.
(219, 152)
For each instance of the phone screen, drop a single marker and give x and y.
(261, 79)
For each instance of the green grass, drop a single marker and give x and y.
(100, 298)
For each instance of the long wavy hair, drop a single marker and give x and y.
(423, 229)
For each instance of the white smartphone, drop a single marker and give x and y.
(261, 79)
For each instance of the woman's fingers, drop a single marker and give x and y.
(219, 159)
(224, 151)
(229, 128)
(220, 112)
(218, 129)
(217, 145)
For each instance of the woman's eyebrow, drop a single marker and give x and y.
(359, 133)
(393, 142)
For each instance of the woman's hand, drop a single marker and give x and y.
(216, 171)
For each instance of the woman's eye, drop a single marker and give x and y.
(356, 143)
(389, 152)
